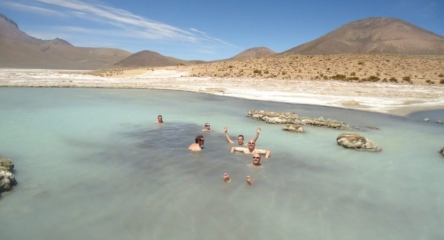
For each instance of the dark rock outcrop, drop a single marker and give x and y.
(442, 151)
(358, 142)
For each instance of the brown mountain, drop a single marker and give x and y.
(375, 35)
(254, 53)
(19, 50)
(148, 59)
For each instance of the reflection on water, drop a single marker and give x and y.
(92, 164)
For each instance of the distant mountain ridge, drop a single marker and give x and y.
(19, 50)
(367, 36)
(148, 59)
(254, 53)
(8, 20)
(375, 35)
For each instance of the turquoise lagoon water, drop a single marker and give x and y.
(91, 164)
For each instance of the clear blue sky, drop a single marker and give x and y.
(206, 29)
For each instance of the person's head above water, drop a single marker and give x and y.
(200, 140)
(240, 139)
(251, 145)
(207, 127)
(160, 119)
(256, 159)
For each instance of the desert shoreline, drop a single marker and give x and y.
(385, 98)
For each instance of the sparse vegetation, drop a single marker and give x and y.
(392, 79)
(373, 79)
(371, 68)
(339, 77)
(441, 81)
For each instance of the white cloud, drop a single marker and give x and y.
(97, 11)
(33, 9)
(91, 21)
(124, 23)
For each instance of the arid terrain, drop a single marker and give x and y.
(376, 64)
(418, 84)
(402, 69)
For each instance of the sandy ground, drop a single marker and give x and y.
(384, 97)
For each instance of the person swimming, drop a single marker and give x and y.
(207, 127)
(198, 144)
(159, 119)
(240, 138)
(251, 149)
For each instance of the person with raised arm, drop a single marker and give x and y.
(251, 149)
(240, 138)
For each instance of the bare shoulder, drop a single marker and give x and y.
(194, 147)
(260, 151)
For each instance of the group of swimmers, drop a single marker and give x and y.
(248, 148)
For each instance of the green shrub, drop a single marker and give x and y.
(441, 81)
(406, 78)
(257, 71)
(428, 81)
(440, 75)
(353, 74)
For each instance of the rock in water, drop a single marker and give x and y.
(7, 179)
(293, 128)
(358, 142)
(7, 163)
(293, 118)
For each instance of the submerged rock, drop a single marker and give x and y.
(440, 121)
(358, 142)
(293, 118)
(442, 151)
(7, 179)
(293, 128)
(7, 163)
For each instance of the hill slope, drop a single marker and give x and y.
(254, 53)
(148, 59)
(375, 35)
(19, 50)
